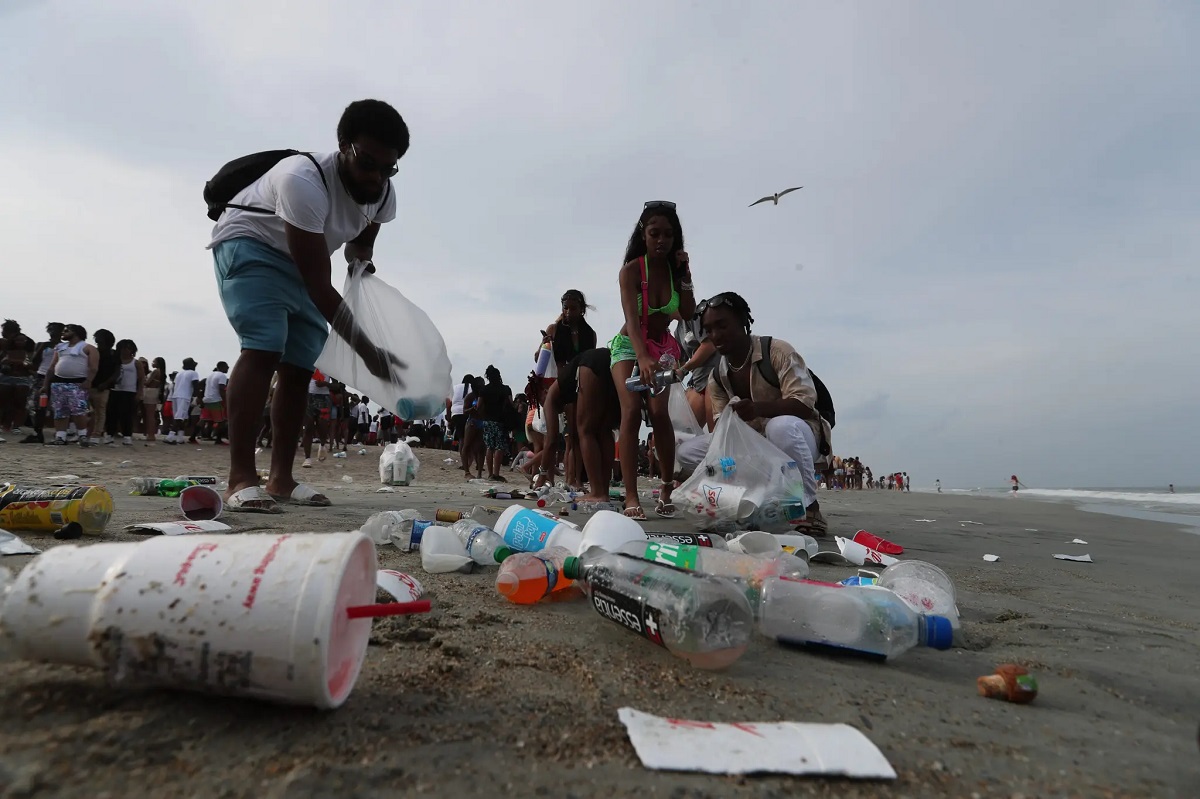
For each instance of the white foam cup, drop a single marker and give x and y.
(260, 616)
(201, 503)
(609, 530)
(756, 542)
(859, 555)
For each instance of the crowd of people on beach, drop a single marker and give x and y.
(584, 403)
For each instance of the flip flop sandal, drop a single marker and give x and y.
(304, 494)
(241, 501)
(636, 513)
(665, 510)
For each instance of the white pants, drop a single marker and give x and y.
(790, 433)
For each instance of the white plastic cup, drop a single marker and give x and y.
(609, 530)
(201, 503)
(859, 555)
(258, 616)
(924, 587)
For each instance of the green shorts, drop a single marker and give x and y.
(620, 349)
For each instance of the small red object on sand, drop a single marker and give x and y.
(872, 541)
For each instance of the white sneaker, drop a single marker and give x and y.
(321, 450)
(307, 463)
(106, 440)
(127, 441)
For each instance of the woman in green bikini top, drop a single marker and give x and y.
(656, 287)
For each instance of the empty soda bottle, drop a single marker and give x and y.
(527, 577)
(749, 570)
(483, 544)
(704, 620)
(157, 486)
(865, 619)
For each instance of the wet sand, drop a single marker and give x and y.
(481, 697)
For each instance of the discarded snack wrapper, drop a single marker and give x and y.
(1078, 558)
(1010, 682)
(745, 748)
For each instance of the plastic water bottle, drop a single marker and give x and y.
(200, 479)
(157, 486)
(693, 539)
(410, 408)
(529, 577)
(924, 587)
(482, 543)
(704, 620)
(864, 619)
(391, 526)
(737, 566)
(543, 361)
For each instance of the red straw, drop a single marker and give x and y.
(388, 609)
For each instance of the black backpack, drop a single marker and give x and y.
(824, 400)
(242, 172)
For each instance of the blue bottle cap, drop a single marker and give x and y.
(939, 634)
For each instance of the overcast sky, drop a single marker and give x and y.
(992, 263)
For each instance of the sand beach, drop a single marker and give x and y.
(484, 698)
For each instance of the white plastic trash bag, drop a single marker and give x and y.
(539, 421)
(684, 422)
(398, 465)
(744, 482)
(416, 387)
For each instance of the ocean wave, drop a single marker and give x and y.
(1134, 497)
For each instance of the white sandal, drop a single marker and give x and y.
(240, 501)
(303, 494)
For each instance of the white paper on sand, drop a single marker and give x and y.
(64, 478)
(960, 521)
(991, 558)
(1077, 541)
(385, 490)
(778, 747)
(924, 520)
(12, 545)
(178, 528)
(1078, 558)
(1031, 530)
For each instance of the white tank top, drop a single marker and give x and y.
(128, 379)
(72, 361)
(47, 357)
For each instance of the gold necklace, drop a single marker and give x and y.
(749, 352)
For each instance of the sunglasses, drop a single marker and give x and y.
(670, 206)
(715, 302)
(368, 164)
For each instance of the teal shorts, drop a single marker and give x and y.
(267, 302)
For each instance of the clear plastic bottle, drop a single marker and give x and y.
(865, 619)
(483, 544)
(392, 526)
(704, 620)
(529, 577)
(157, 486)
(924, 587)
(748, 569)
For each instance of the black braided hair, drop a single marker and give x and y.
(738, 305)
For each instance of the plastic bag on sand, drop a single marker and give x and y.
(398, 465)
(744, 482)
(442, 551)
(419, 388)
(683, 421)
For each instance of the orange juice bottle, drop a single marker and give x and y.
(527, 577)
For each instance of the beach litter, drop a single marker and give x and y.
(177, 528)
(12, 545)
(62, 478)
(991, 558)
(400, 586)
(200, 503)
(752, 747)
(861, 555)
(1032, 530)
(970, 522)
(385, 490)
(1011, 683)
(111, 599)
(46, 510)
(1077, 541)
(398, 466)
(1076, 558)
(872, 541)
(924, 520)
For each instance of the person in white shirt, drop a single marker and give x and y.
(69, 381)
(214, 401)
(271, 249)
(362, 419)
(182, 391)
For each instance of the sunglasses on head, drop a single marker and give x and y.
(714, 302)
(368, 164)
(670, 206)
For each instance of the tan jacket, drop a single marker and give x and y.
(795, 382)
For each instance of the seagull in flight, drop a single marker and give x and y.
(774, 197)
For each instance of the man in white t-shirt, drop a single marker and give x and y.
(271, 248)
(361, 413)
(181, 400)
(214, 400)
